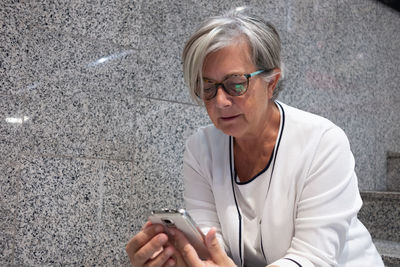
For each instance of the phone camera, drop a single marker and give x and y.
(168, 222)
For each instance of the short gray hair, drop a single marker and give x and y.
(221, 31)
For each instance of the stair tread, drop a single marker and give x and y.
(388, 248)
(380, 194)
(391, 154)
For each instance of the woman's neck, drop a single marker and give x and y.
(251, 154)
(261, 139)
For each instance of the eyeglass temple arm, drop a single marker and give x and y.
(254, 73)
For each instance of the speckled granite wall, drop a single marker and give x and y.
(94, 112)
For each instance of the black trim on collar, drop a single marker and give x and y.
(258, 174)
(293, 261)
(236, 204)
(272, 155)
(278, 143)
(272, 171)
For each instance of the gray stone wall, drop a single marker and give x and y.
(94, 112)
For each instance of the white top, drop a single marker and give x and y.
(250, 200)
(309, 216)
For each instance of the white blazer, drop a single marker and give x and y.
(310, 214)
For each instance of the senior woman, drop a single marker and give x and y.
(271, 185)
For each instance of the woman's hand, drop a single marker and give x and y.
(189, 255)
(150, 247)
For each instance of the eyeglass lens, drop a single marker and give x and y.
(234, 85)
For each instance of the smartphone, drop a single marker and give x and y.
(181, 220)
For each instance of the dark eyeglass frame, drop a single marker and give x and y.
(231, 93)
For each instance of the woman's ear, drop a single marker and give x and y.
(276, 74)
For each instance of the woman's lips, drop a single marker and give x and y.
(229, 118)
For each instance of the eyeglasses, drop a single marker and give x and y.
(234, 85)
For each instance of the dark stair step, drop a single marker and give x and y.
(393, 172)
(390, 252)
(380, 213)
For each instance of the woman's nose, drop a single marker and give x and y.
(222, 99)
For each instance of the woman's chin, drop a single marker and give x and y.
(231, 130)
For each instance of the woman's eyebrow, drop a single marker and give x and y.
(206, 78)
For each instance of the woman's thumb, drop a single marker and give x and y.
(217, 253)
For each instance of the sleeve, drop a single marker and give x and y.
(328, 203)
(198, 194)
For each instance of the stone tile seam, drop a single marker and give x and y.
(13, 229)
(55, 156)
(171, 101)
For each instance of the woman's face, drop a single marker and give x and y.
(238, 116)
